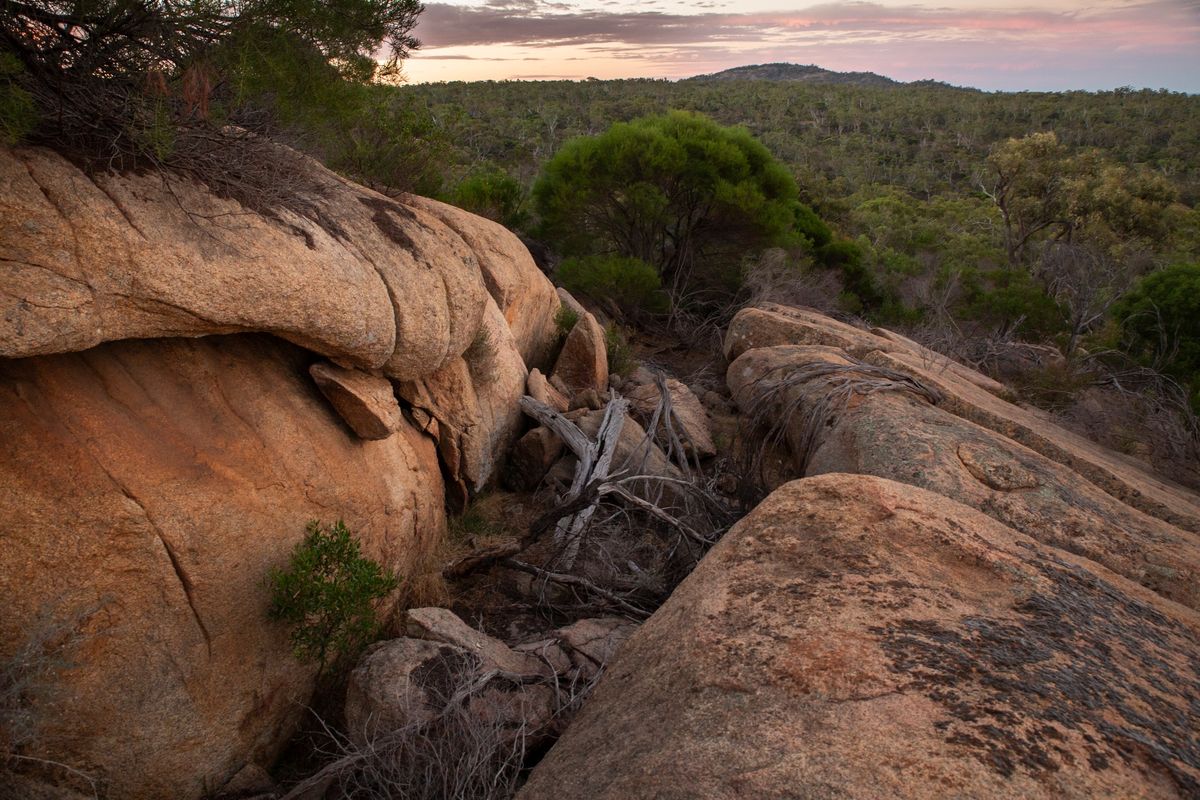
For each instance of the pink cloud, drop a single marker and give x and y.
(1155, 43)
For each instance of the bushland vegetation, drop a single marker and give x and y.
(980, 223)
(203, 89)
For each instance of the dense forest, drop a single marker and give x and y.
(971, 220)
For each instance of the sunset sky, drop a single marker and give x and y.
(990, 44)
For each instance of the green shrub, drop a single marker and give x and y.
(564, 320)
(631, 283)
(327, 595)
(1014, 301)
(1161, 319)
(620, 354)
(862, 291)
(812, 226)
(493, 193)
(680, 192)
(18, 114)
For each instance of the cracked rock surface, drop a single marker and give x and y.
(860, 638)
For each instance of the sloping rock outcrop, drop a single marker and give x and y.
(89, 258)
(974, 397)
(150, 485)
(858, 637)
(150, 480)
(872, 427)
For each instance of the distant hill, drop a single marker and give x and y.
(808, 73)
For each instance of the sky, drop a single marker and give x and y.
(988, 44)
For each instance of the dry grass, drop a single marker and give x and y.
(28, 677)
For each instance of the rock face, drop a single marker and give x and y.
(150, 485)
(974, 397)
(474, 401)
(857, 637)
(583, 361)
(898, 434)
(150, 481)
(528, 302)
(366, 402)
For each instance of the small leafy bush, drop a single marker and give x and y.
(1161, 318)
(620, 354)
(18, 114)
(564, 320)
(493, 193)
(631, 283)
(327, 595)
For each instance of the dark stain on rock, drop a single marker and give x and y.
(1079, 656)
(384, 213)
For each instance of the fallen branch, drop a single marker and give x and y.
(481, 559)
(576, 581)
(595, 460)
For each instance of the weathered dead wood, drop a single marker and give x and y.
(579, 583)
(482, 558)
(595, 460)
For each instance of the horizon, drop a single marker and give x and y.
(1061, 45)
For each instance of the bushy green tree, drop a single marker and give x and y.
(327, 594)
(491, 192)
(678, 192)
(133, 39)
(1161, 316)
(632, 284)
(196, 86)
(1047, 194)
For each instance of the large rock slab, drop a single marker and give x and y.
(88, 258)
(771, 324)
(855, 637)
(972, 396)
(365, 401)
(154, 484)
(522, 292)
(1123, 477)
(897, 434)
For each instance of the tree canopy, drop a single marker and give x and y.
(676, 191)
(1162, 318)
(199, 87)
(57, 39)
